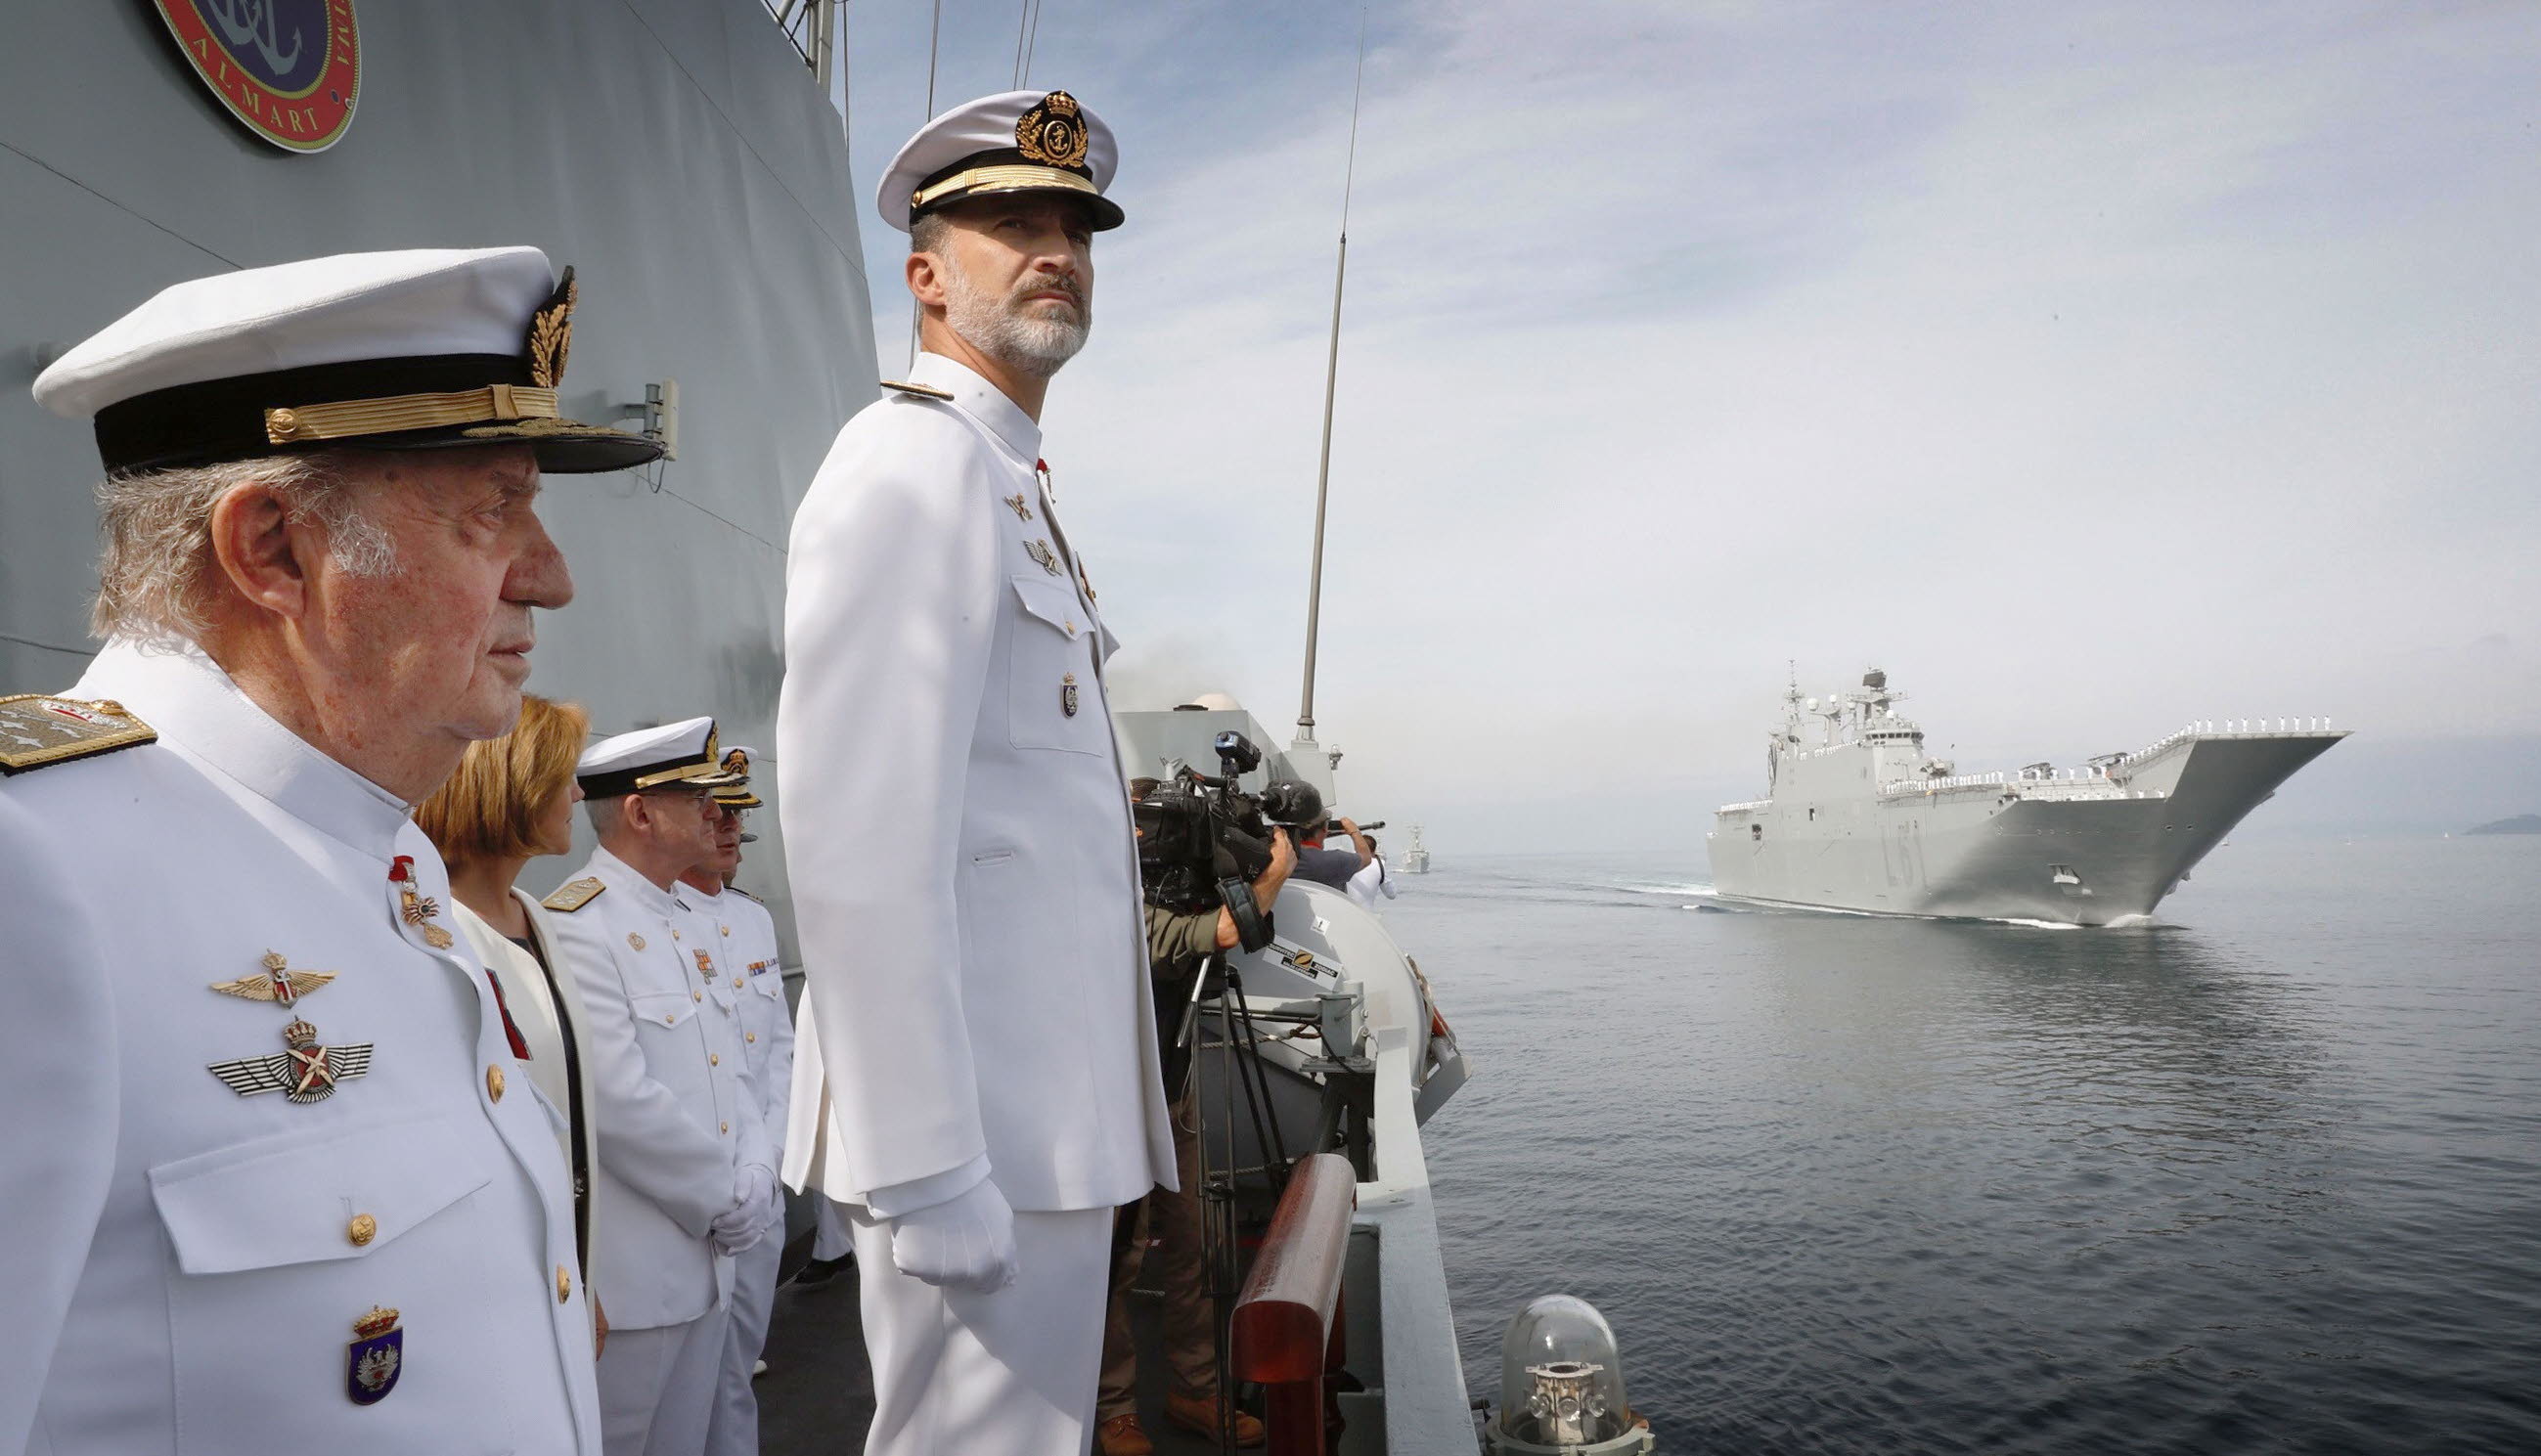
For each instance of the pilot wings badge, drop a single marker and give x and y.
(308, 1072)
(279, 982)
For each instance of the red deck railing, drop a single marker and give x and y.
(1284, 1331)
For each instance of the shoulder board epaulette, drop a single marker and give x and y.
(37, 730)
(744, 894)
(930, 392)
(574, 894)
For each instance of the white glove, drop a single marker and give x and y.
(753, 1212)
(966, 1241)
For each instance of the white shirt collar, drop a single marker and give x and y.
(200, 712)
(984, 402)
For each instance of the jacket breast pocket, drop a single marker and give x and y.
(662, 1018)
(1052, 698)
(281, 1246)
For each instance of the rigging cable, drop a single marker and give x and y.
(1027, 40)
(934, 33)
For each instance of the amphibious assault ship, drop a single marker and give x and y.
(1858, 815)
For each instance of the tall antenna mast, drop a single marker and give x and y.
(1332, 373)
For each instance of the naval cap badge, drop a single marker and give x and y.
(1053, 133)
(375, 1358)
(551, 335)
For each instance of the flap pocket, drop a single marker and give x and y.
(1052, 603)
(295, 1199)
(661, 1009)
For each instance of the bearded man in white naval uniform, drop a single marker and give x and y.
(274, 1178)
(686, 1176)
(956, 826)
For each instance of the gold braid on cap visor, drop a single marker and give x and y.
(1001, 179)
(351, 417)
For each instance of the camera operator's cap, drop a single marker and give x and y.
(737, 794)
(1016, 141)
(427, 349)
(1292, 803)
(675, 754)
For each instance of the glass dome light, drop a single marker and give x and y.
(1561, 1379)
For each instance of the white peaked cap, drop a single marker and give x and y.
(333, 338)
(1016, 141)
(682, 753)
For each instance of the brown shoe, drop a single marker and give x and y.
(1120, 1437)
(1198, 1413)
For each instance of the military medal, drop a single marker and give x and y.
(417, 910)
(1067, 694)
(374, 1360)
(279, 982)
(308, 1072)
(706, 965)
(1040, 553)
(1021, 507)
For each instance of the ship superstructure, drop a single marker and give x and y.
(1857, 814)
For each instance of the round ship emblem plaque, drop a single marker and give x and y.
(289, 70)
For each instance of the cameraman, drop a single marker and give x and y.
(1178, 946)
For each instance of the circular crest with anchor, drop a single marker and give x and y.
(289, 70)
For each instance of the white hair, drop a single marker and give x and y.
(158, 570)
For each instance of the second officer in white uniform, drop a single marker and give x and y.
(745, 935)
(956, 826)
(684, 1181)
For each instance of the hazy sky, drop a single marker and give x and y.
(2092, 369)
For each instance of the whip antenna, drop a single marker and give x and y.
(1332, 373)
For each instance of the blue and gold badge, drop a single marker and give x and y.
(375, 1359)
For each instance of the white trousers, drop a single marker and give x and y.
(657, 1387)
(1005, 1374)
(734, 1429)
(830, 1228)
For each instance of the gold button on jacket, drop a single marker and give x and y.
(494, 1083)
(362, 1229)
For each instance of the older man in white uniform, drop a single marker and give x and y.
(966, 886)
(685, 1180)
(274, 1178)
(734, 920)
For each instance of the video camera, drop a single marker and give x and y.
(1203, 841)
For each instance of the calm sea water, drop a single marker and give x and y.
(2264, 1176)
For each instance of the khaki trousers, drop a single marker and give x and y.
(1172, 1220)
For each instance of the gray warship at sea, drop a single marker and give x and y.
(1858, 815)
(687, 158)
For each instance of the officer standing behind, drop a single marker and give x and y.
(683, 1182)
(266, 1189)
(747, 936)
(964, 878)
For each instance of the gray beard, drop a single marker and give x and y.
(1000, 329)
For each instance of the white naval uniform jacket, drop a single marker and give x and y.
(183, 1264)
(546, 1005)
(664, 1049)
(956, 830)
(747, 933)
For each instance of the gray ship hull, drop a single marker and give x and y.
(2093, 848)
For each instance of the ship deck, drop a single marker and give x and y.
(817, 1398)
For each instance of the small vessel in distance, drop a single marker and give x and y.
(1415, 857)
(1857, 815)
